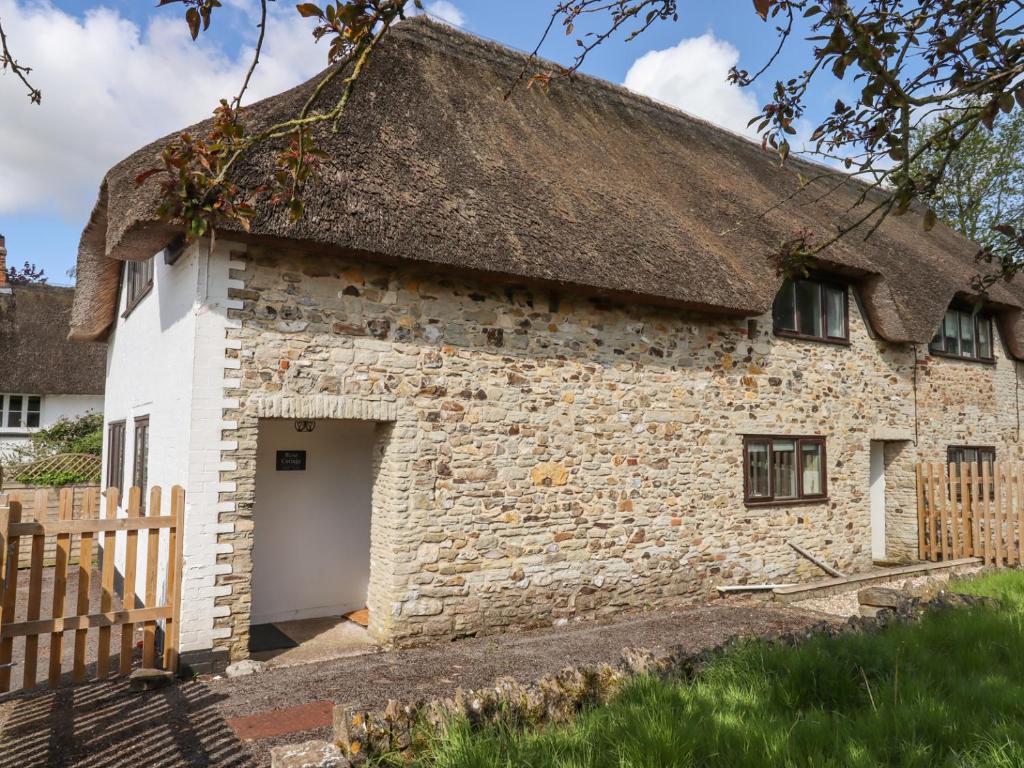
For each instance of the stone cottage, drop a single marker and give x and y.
(528, 361)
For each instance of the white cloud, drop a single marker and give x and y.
(692, 76)
(110, 87)
(446, 11)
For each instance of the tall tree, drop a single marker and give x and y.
(983, 184)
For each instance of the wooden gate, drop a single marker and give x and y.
(967, 510)
(136, 603)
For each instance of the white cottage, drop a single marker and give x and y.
(44, 377)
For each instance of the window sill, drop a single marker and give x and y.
(138, 300)
(818, 339)
(18, 431)
(959, 359)
(786, 502)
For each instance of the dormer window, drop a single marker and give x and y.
(813, 309)
(965, 334)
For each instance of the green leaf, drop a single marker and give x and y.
(307, 10)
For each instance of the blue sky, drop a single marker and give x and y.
(119, 73)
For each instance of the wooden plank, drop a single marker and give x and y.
(175, 560)
(1019, 512)
(152, 562)
(85, 553)
(922, 512)
(1011, 529)
(56, 527)
(130, 569)
(997, 514)
(12, 552)
(933, 554)
(35, 594)
(76, 623)
(60, 586)
(985, 512)
(967, 538)
(941, 471)
(976, 511)
(955, 512)
(107, 581)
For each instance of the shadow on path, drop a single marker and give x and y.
(106, 724)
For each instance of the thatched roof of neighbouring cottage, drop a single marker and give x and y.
(36, 356)
(582, 185)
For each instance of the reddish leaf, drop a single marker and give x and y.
(307, 10)
(194, 20)
(762, 7)
(141, 178)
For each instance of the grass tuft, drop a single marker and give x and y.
(943, 692)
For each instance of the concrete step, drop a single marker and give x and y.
(827, 587)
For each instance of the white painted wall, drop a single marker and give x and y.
(54, 407)
(311, 552)
(166, 360)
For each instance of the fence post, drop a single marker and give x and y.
(10, 590)
(5, 522)
(922, 512)
(175, 572)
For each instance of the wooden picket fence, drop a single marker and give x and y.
(135, 604)
(967, 510)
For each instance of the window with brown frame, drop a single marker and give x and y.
(138, 280)
(140, 455)
(115, 455)
(978, 455)
(813, 309)
(783, 470)
(964, 334)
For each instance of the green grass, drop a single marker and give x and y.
(948, 691)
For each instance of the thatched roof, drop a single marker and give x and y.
(36, 356)
(584, 185)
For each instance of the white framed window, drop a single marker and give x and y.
(20, 411)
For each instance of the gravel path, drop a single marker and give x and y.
(103, 724)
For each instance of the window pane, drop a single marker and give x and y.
(936, 344)
(951, 331)
(808, 305)
(757, 470)
(14, 406)
(966, 334)
(34, 406)
(984, 337)
(835, 312)
(784, 468)
(785, 308)
(811, 468)
(967, 455)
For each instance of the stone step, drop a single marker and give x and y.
(827, 587)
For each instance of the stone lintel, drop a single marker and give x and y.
(322, 407)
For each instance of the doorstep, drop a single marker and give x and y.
(825, 587)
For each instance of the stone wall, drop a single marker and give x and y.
(546, 457)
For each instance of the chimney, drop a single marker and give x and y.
(3, 266)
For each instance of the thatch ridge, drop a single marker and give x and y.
(584, 184)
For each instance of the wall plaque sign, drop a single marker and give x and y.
(291, 461)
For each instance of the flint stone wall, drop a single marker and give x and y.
(545, 457)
